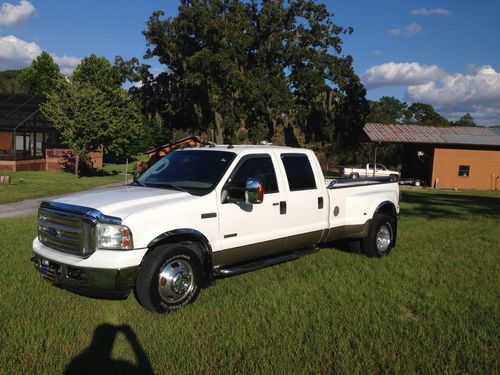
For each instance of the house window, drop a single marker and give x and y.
(464, 170)
(19, 142)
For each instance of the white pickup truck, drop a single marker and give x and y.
(202, 213)
(380, 171)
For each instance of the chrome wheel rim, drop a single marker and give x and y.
(175, 281)
(383, 238)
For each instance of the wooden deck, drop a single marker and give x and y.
(9, 163)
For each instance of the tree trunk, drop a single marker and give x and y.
(218, 136)
(77, 164)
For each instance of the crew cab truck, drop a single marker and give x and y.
(380, 171)
(202, 213)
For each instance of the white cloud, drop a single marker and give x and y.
(412, 28)
(480, 88)
(12, 15)
(395, 32)
(67, 63)
(377, 52)
(16, 53)
(430, 12)
(455, 94)
(408, 30)
(401, 74)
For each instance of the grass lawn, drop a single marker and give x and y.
(120, 168)
(431, 306)
(26, 185)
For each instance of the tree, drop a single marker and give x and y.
(387, 110)
(238, 70)
(92, 116)
(41, 76)
(98, 72)
(465, 120)
(424, 114)
(8, 82)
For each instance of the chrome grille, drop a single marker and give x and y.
(66, 232)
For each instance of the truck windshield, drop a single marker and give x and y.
(194, 171)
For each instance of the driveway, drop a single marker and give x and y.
(30, 206)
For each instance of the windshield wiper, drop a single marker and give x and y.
(139, 183)
(169, 186)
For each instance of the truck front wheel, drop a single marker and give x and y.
(381, 236)
(169, 278)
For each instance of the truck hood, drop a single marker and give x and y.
(124, 200)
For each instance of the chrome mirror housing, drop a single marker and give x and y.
(254, 191)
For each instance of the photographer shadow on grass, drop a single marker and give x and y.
(96, 359)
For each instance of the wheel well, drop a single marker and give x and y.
(201, 246)
(386, 208)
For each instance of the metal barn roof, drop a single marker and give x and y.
(453, 135)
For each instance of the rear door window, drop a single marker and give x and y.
(299, 172)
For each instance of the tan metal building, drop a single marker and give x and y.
(446, 157)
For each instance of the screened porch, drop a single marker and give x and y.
(25, 134)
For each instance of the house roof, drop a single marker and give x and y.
(159, 148)
(453, 135)
(16, 109)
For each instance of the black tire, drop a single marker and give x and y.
(170, 277)
(381, 236)
(393, 177)
(354, 175)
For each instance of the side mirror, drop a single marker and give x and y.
(254, 191)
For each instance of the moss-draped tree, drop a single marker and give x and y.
(246, 70)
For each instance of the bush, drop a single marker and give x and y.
(67, 161)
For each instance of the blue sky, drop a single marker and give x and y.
(445, 53)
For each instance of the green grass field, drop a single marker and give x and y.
(431, 306)
(120, 168)
(26, 185)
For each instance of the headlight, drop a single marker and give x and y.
(114, 237)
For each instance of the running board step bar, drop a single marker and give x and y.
(265, 262)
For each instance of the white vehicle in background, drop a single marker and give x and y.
(380, 171)
(208, 212)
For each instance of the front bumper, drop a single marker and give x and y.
(106, 273)
(95, 282)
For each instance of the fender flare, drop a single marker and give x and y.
(188, 234)
(386, 206)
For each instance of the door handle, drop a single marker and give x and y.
(276, 204)
(282, 207)
(320, 203)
